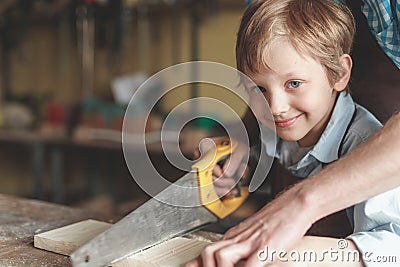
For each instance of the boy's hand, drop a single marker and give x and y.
(224, 181)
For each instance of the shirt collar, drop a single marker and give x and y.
(327, 147)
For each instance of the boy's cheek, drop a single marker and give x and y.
(257, 109)
(259, 105)
(262, 113)
(269, 124)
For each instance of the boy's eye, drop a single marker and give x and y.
(259, 89)
(293, 84)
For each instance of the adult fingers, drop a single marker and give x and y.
(247, 231)
(224, 253)
(197, 262)
(254, 260)
(243, 229)
(234, 253)
(208, 254)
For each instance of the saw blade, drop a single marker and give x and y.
(148, 225)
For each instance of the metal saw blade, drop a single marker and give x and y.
(148, 225)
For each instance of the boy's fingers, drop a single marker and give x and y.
(217, 171)
(235, 159)
(223, 181)
(206, 144)
(243, 173)
(232, 164)
(224, 187)
(224, 193)
(231, 194)
(196, 154)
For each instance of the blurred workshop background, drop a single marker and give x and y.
(67, 71)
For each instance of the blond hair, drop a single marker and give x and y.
(321, 29)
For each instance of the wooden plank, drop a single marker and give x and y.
(172, 253)
(67, 239)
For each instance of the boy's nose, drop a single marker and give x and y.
(278, 103)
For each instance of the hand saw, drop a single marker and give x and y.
(155, 221)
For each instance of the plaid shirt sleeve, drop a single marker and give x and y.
(383, 19)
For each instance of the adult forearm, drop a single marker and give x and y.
(372, 168)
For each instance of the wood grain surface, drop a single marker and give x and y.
(172, 253)
(21, 219)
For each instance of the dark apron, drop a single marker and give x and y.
(335, 225)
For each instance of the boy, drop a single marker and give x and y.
(297, 52)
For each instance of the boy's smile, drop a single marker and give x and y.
(286, 122)
(298, 92)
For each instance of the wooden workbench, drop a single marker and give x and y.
(21, 219)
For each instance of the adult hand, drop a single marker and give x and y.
(223, 177)
(277, 226)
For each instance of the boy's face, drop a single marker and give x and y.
(298, 93)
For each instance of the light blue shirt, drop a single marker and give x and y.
(376, 222)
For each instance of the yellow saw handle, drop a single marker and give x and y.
(208, 197)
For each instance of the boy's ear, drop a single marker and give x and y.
(344, 77)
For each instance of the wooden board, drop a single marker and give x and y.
(67, 239)
(172, 253)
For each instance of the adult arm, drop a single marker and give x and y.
(372, 168)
